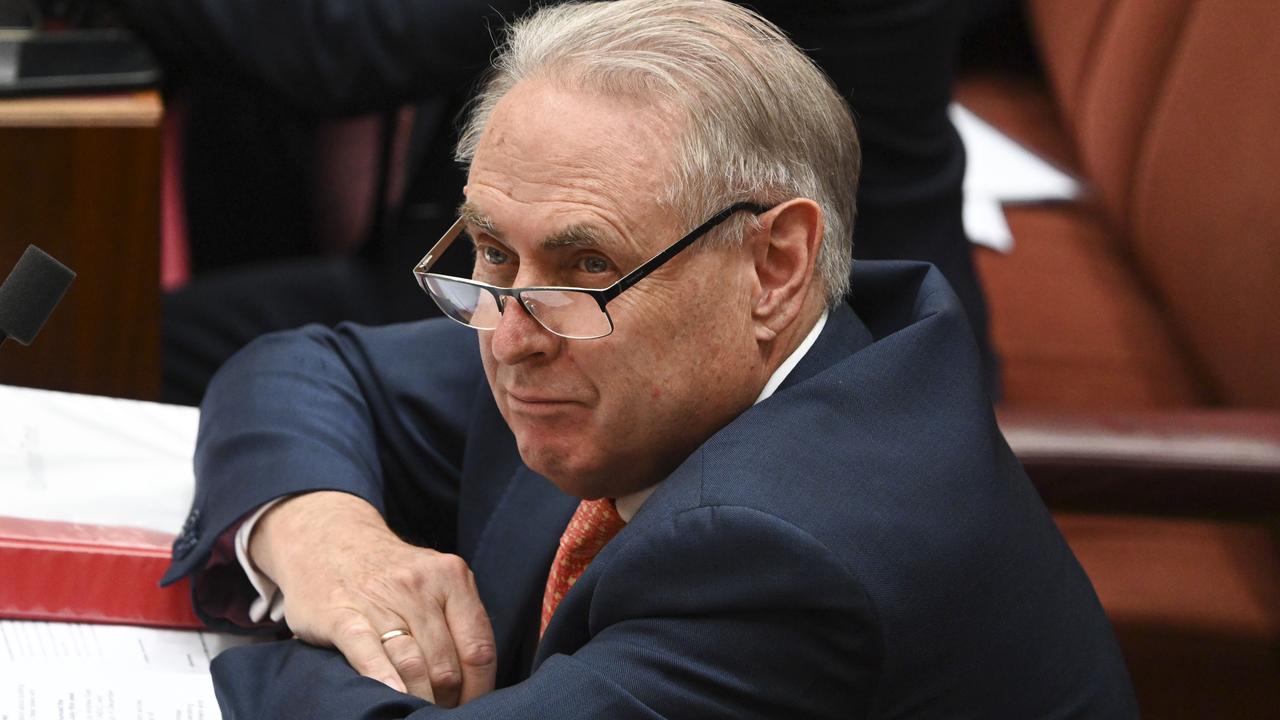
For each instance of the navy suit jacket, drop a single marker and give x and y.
(861, 544)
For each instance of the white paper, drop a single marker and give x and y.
(95, 460)
(65, 671)
(72, 695)
(122, 647)
(985, 224)
(998, 170)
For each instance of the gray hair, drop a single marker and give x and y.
(762, 122)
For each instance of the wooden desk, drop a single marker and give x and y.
(80, 177)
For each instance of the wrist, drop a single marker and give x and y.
(300, 525)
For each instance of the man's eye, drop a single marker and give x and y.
(493, 255)
(594, 264)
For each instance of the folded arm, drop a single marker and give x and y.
(718, 613)
(341, 420)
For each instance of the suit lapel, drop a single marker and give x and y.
(843, 335)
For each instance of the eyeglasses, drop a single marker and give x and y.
(573, 313)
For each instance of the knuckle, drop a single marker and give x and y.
(446, 677)
(453, 567)
(478, 654)
(410, 666)
(353, 630)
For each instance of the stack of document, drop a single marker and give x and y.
(62, 671)
(92, 491)
(95, 460)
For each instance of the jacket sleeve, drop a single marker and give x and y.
(719, 612)
(349, 409)
(329, 56)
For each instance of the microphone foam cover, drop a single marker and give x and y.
(30, 293)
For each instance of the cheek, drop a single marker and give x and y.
(486, 360)
(677, 378)
(682, 353)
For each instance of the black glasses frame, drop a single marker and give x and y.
(602, 296)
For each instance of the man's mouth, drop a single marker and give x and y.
(539, 398)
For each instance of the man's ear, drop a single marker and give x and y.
(785, 253)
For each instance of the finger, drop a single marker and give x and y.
(443, 675)
(358, 641)
(407, 653)
(473, 641)
(410, 665)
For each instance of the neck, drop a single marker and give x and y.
(784, 343)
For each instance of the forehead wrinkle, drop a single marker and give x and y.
(578, 235)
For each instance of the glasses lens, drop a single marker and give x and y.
(468, 304)
(574, 315)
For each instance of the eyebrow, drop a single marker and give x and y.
(582, 236)
(472, 216)
(575, 236)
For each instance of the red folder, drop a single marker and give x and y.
(89, 573)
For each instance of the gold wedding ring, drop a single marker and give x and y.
(394, 634)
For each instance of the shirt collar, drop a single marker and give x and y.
(628, 505)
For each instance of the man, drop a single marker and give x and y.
(679, 476)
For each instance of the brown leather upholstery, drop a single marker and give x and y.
(1175, 516)
(1204, 648)
(1128, 53)
(1139, 330)
(1205, 217)
(1166, 110)
(1069, 48)
(1223, 464)
(1074, 326)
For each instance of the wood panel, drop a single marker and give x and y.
(81, 179)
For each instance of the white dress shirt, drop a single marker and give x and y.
(270, 601)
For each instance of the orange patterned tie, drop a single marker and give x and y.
(593, 524)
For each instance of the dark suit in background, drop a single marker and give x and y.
(861, 544)
(260, 74)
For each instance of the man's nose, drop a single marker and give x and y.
(519, 336)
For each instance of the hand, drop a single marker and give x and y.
(347, 579)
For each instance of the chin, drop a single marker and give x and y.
(572, 475)
(577, 474)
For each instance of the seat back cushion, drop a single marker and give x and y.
(1174, 110)
(1206, 197)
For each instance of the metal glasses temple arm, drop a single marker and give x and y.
(440, 247)
(658, 260)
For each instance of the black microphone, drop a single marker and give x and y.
(30, 293)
